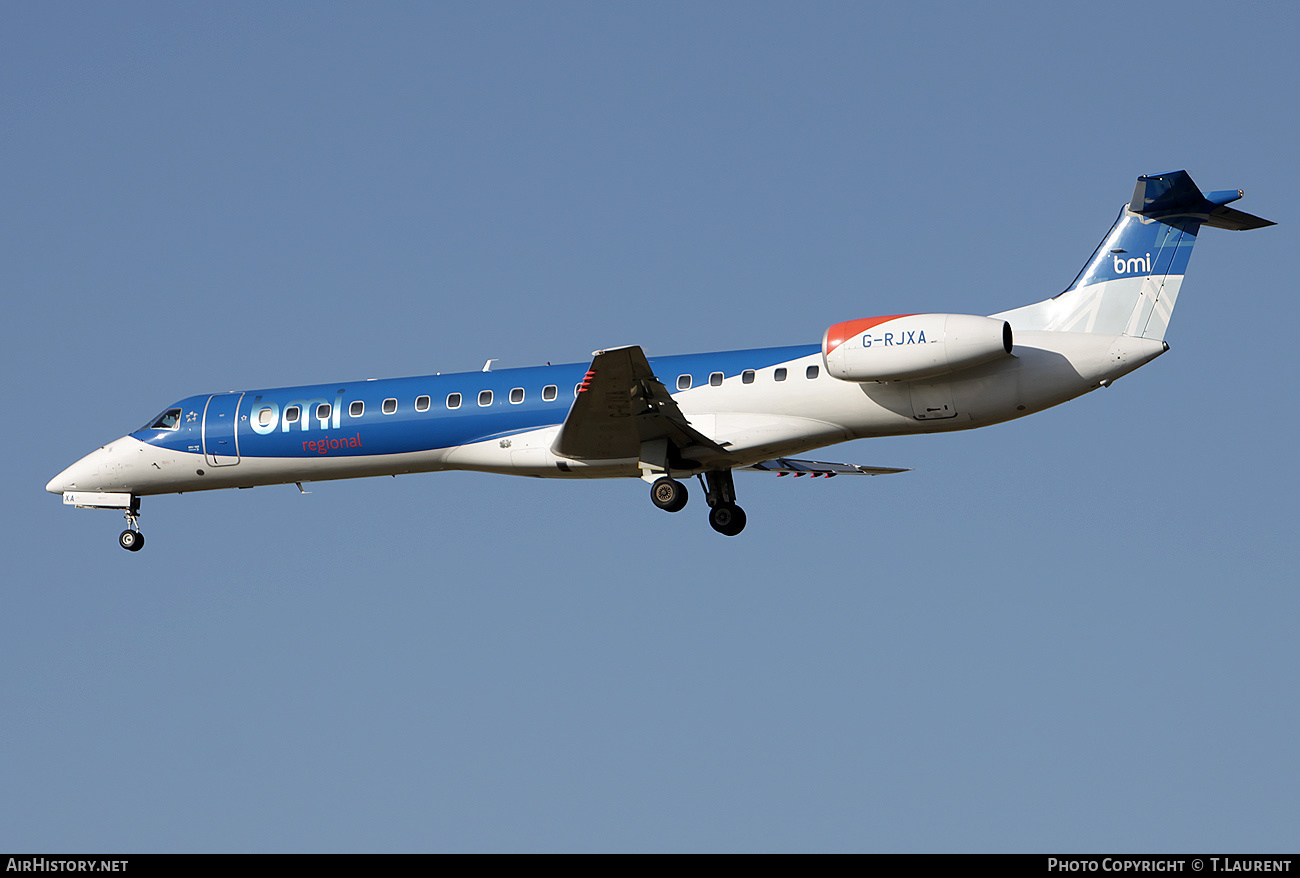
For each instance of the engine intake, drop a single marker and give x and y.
(902, 347)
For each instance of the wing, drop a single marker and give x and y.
(620, 405)
(785, 466)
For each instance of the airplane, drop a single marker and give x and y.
(665, 419)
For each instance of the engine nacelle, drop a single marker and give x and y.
(907, 346)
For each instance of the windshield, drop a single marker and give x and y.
(168, 420)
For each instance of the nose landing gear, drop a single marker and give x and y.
(131, 539)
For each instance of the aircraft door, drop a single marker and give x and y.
(932, 400)
(220, 444)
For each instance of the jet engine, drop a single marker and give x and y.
(906, 346)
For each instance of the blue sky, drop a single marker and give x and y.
(1074, 632)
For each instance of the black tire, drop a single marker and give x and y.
(669, 495)
(131, 540)
(727, 519)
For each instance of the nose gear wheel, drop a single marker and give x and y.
(131, 539)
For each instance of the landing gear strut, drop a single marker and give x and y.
(725, 516)
(131, 539)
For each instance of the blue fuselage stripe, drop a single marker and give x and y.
(263, 430)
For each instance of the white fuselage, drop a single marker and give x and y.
(755, 420)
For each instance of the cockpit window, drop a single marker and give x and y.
(168, 420)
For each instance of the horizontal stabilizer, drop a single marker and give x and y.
(784, 466)
(1173, 197)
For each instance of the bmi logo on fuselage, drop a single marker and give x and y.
(266, 415)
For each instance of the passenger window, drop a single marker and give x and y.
(683, 382)
(357, 409)
(485, 397)
(716, 379)
(169, 420)
(549, 392)
(422, 403)
(779, 374)
(517, 396)
(453, 400)
(291, 414)
(265, 417)
(390, 406)
(323, 411)
(747, 376)
(812, 372)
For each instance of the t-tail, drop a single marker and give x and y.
(1130, 285)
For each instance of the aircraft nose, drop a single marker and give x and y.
(58, 484)
(81, 476)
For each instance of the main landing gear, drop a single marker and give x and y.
(725, 516)
(727, 519)
(131, 539)
(669, 495)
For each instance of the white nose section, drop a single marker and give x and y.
(95, 471)
(81, 476)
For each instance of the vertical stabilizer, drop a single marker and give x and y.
(1131, 283)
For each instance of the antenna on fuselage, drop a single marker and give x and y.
(487, 367)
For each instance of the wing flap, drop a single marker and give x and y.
(787, 466)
